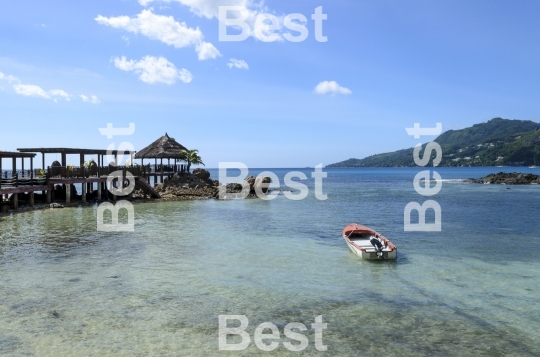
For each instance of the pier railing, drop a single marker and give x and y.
(39, 176)
(93, 171)
(22, 178)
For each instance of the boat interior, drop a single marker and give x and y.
(362, 240)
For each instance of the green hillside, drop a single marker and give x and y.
(499, 142)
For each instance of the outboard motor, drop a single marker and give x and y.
(376, 242)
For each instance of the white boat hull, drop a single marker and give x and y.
(358, 239)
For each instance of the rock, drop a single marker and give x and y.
(187, 186)
(234, 187)
(56, 205)
(249, 184)
(234, 190)
(506, 178)
(262, 183)
(201, 174)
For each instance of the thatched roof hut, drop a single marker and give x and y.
(163, 148)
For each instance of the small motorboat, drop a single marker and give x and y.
(358, 239)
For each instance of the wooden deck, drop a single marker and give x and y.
(30, 181)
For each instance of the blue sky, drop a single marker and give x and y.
(394, 64)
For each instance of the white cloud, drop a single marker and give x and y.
(126, 40)
(164, 29)
(30, 90)
(208, 8)
(9, 78)
(58, 93)
(93, 99)
(331, 87)
(156, 27)
(248, 9)
(236, 63)
(154, 70)
(207, 51)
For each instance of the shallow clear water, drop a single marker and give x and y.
(470, 290)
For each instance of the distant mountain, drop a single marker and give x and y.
(499, 142)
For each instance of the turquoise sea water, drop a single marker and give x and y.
(471, 290)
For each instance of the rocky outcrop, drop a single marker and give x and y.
(252, 183)
(188, 185)
(507, 178)
(262, 183)
(201, 174)
(199, 185)
(249, 185)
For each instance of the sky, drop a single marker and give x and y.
(348, 90)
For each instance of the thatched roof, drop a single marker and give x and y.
(164, 147)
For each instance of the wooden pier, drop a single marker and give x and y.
(94, 178)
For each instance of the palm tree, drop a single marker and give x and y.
(191, 157)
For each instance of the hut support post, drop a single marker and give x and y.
(99, 191)
(68, 193)
(49, 193)
(81, 165)
(32, 174)
(43, 168)
(22, 167)
(14, 167)
(83, 195)
(0, 175)
(32, 199)
(15, 201)
(161, 164)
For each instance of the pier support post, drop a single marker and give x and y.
(68, 193)
(83, 196)
(113, 186)
(32, 199)
(99, 191)
(15, 201)
(49, 194)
